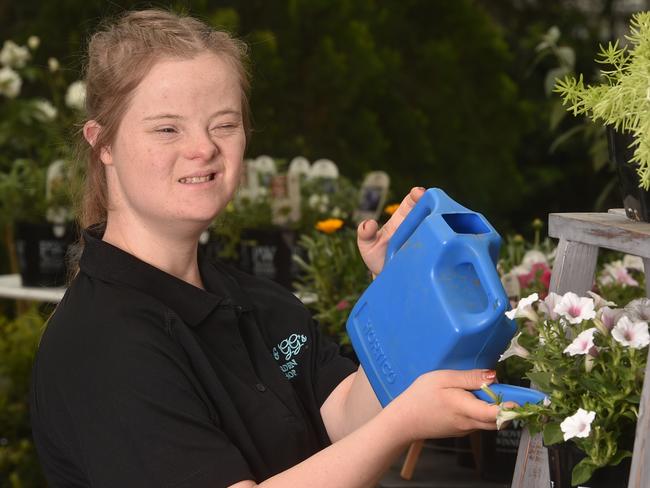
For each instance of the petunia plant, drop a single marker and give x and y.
(589, 357)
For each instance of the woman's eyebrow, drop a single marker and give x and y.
(227, 111)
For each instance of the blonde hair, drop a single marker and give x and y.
(120, 55)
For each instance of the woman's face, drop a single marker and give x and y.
(177, 155)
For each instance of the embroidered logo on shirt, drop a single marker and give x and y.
(287, 349)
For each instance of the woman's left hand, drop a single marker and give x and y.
(373, 241)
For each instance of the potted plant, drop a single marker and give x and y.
(590, 357)
(35, 180)
(620, 102)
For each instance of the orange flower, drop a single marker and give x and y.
(329, 226)
(391, 209)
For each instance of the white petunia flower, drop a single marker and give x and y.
(600, 302)
(616, 273)
(14, 56)
(575, 309)
(10, 82)
(33, 42)
(581, 344)
(515, 349)
(638, 309)
(53, 65)
(548, 305)
(633, 262)
(533, 256)
(631, 334)
(75, 97)
(609, 316)
(504, 415)
(524, 309)
(577, 425)
(44, 110)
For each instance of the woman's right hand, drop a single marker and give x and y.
(438, 404)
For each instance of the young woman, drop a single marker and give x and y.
(160, 368)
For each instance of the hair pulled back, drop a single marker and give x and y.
(120, 55)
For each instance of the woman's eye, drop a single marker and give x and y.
(166, 130)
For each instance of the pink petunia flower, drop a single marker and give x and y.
(631, 334)
(575, 309)
(581, 344)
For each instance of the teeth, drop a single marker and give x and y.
(197, 179)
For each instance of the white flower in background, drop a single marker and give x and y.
(638, 309)
(577, 425)
(13, 55)
(319, 202)
(631, 334)
(633, 262)
(75, 97)
(504, 415)
(547, 307)
(337, 213)
(524, 309)
(609, 316)
(44, 110)
(616, 273)
(600, 302)
(10, 82)
(575, 309)
(530, 258)
(33, 42)
(515, 349)
(53, 65)
(582, 344)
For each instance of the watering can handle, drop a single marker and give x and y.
(492, 285)
(420, 212)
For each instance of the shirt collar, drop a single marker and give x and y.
(106, 262)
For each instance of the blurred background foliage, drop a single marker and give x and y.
(436, 93)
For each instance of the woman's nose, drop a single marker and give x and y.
(201, 146)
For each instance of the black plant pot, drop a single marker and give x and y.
(42, 251)
(498, 453)
(267, 253)
(636, 200)
(563, 457)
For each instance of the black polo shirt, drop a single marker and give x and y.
(142, 379)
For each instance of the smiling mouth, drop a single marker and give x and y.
(197, 179)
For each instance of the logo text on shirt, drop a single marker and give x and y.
(289, 348)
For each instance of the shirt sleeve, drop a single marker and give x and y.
(331, 366)
(141, 418)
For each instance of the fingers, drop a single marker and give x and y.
(367, 231)
(471, 379)
(402, 211)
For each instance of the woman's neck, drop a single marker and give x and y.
(168, 249)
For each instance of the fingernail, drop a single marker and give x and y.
(489, 374)
(363, 224)
(419, 188)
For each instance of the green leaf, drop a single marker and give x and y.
(582, 472)
(552, 434)
(619, 456)
(541, 379)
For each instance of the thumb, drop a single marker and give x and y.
(367, 232)
(467, 380)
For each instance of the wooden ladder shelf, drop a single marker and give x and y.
(581, 235)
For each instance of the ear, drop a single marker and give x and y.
(91, 132)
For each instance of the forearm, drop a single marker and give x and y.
(358, 460)
(349, 406)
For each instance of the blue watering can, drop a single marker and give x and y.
(437, 304)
